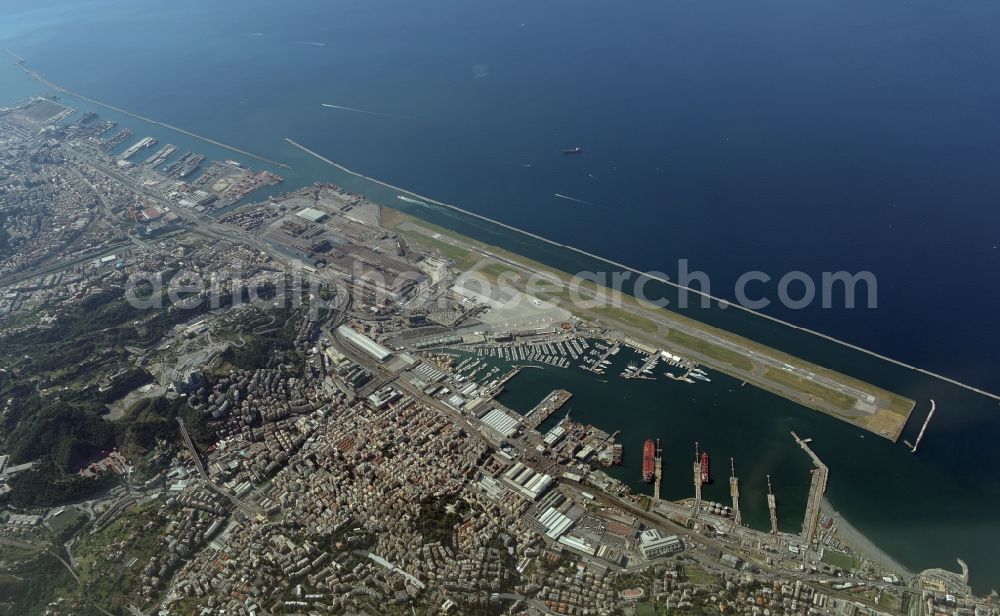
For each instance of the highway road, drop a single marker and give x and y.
(64, 264)
(247, 508)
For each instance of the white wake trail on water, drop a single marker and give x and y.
(355, 110)
(568, 198)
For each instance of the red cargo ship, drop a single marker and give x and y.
(704, 467)
(648, 461)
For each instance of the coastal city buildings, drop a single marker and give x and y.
(291, 405)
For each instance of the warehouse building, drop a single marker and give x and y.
(501, 423)
(527, 481)
(311, 214)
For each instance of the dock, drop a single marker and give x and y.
(657, 471)
(495, 389)
(696, 472)
(142, 144)
(772, 507)
(549, 405)
(35, 74)
(599, 366)
(734, 492)
(685, 378)
(923, 429)
(117, 139)
(184, 166)
(645, 370)
(161, 155)
(817, 487)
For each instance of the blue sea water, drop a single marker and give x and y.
(775, 136)
(771, 136)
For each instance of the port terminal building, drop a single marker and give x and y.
(654, 544)
(364, 343)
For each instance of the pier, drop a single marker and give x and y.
(142, 144)
(598, 367)
(497, 388)
(734, 492)
(161, 155)
(684, 378)
(514, 372)
(21, 62)
(817, 487)
(657, 471)
(549, 405)
(923, 429)
(644, 371)
(696, 471)
(772, 508)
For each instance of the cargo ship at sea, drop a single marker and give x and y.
(704, 467)
(648, 461)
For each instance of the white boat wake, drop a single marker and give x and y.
(420, 203)
(568, 198)
(354, 109)
(410, 200)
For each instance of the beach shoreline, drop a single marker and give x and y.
(865, 547)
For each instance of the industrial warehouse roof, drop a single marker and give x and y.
(311, 214)
(501, 422)
(555, 522)
(527, 481)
